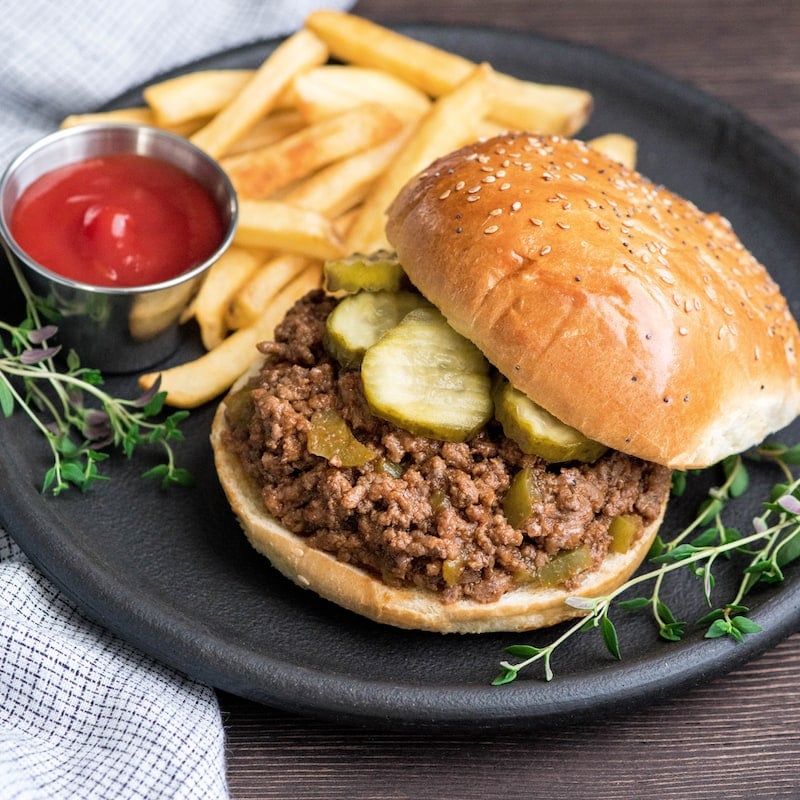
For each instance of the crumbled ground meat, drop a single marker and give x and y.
(423, 512)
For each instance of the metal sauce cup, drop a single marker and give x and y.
(115, 329)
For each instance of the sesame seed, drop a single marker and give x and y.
(492, 229)
(563, 225)
(495, 212)
(444, 195)
(545, 250)
(474, 189)
(602, 225)
(505, 186)
(683, 331)
(516, 205)
(460, 185)
(489, 179)
(536, 222)
(473, 197)
(666, 276)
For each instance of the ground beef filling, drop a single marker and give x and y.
(422, 513)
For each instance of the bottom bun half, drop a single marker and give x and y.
(526, 608)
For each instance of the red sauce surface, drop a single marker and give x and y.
(120, 220)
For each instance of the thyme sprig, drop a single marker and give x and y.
(78, 418)
(773, 542)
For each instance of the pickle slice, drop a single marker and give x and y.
(563, 565)
(359, 320)
(521, 498)
(378, 271)
(624, 529)
(537, 431)
(331, 438)
(428, 379)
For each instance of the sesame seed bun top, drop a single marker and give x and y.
(618, 306)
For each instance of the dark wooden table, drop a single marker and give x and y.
(735, 737)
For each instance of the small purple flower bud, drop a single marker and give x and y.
(39, 335)
(147, 396)
(34, 356)
(759, 526)
(790, 503)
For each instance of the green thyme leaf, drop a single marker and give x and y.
(760, 556)
(635, 603)
(65, 401)
(610, 637)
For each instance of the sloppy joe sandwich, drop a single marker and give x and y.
(461, 436)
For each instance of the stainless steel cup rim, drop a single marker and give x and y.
(145, 139)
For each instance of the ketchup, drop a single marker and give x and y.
(118, 220)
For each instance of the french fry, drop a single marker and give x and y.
(333, 88)
(539, 108)
(210, 305)
(195, 382)
(356, 40)
(135, 116)
(617, 146)
(259, 173)
(196, 94)
(448, 125)
(277, 226)
(267, 131)
(132, 116)
(344, 184)
(255, 294)
(523, 105)
(261, 92)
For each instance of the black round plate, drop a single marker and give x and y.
(172, 573)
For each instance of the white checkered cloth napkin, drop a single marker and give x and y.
(83, 714)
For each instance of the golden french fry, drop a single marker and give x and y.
(272, 128)
(193, 383)
(356, 40)
(517, 104)
(343, 185)
(196, 94)
(262, 91)
(256, 293)
(274, 225)
(133, 116)
(449, 124)
(136, 116)
(221, 283)
(333, 88)
(618, 146)
(345, 221)
(539, 108)
(261, 172)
